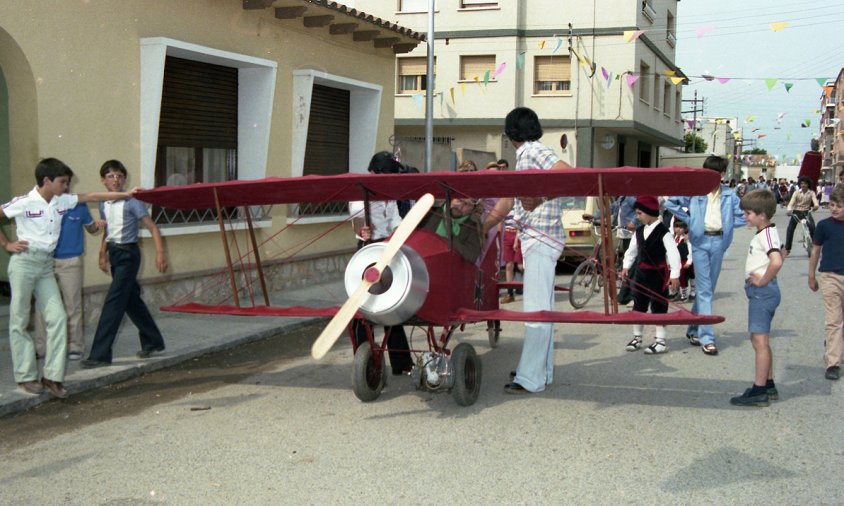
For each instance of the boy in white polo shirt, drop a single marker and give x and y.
(764, 260)
(38, 217)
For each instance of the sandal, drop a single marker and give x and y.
(634, 343)
(709, 349)
(693, 340)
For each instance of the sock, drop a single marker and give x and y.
(769, 384)
(510, 292)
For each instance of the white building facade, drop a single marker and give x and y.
(600, 75)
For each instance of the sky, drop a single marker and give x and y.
(737, 41)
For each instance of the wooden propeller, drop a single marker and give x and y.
(340, 322)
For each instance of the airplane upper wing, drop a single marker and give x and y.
(495, 184)
(682, 316)
(229, 309)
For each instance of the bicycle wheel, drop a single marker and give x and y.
(583, 283)
(807, 238)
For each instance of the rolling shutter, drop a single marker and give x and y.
(327, 149)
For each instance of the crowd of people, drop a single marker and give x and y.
(667, 243)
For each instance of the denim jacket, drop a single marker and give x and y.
(731, 214)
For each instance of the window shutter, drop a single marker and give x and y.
(553, 68)
(327, 149)
(416, 66)
(476, 66)
(198, 105)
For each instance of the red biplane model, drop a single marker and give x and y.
(429, 284)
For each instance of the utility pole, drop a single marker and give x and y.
(694, 111)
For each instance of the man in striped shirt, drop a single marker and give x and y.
(542, 238)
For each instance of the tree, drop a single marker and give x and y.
(755, 151)
(700, 144)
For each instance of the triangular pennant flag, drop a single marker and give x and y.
(588, 61)
(780, 116)
(788, 86)
(724, 80)
(669, 73)
(631, 35)
(779, 26)
(462, 89)
(631, 80)
(609, 80)
(418, 98)
(451, 91)
(559, 43)
(691, 123)
(760, 136)
(677, 80)
(808, 123)
(821, 81)
(703, 30)
(477, 80)
(770, 82)
(816, 111)
(542, 44)
(708, 77)
(486, 78)
(500, 69)
(605, 74)
(520, 60)
(749, 119)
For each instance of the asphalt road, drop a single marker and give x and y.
(264, 424)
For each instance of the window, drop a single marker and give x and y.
(197, 130)
(678, 105)
(413, 74)
(477, 4)
(657, 102)
(666, 99)
(671, 30)
(644, 82)
(476, 66)
(415, 5)
(223, 135)
(552, 74)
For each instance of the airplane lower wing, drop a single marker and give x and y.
(518, 285)
(680, 317)
(226, 309)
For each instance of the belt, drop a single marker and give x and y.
(714, 232)
(125, 247)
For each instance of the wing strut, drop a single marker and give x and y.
(608, 254)
(226, 248)
(258, 265)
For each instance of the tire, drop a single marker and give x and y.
(493, 330)
(367, 381)
(807, 240)
(466, 367)
(583, 283)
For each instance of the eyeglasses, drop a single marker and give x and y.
(112, 175)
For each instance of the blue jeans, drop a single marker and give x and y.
(536, 365)
(761, 307)
(706, 257)
(124, 297)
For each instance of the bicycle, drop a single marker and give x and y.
(588, 278)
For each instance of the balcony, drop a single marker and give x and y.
(648, 11)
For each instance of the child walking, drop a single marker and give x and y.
(653, 251)
(120, 249)
(763, 294)
(829, 248)
(687, 270)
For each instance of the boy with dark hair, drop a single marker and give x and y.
(763, 294)
(828, 246)
(38, 217)
(687, 270)
(711, 219)
(654, 253)
(120, 249)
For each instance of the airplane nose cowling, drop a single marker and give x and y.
(399, 293)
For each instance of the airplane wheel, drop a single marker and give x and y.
(467, 374)
(583, 283)
(493, 330)
(367, 380)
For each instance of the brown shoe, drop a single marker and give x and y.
(507, 299)
(55, 388)
(31, 387)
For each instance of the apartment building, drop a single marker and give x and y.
(601, 75)
(832, 130)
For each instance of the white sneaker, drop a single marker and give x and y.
(634, 344)
(656, 347)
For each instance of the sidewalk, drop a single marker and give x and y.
(186, 335)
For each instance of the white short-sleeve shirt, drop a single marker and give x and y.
(763, 243)
(39, 222)
(383, 216)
